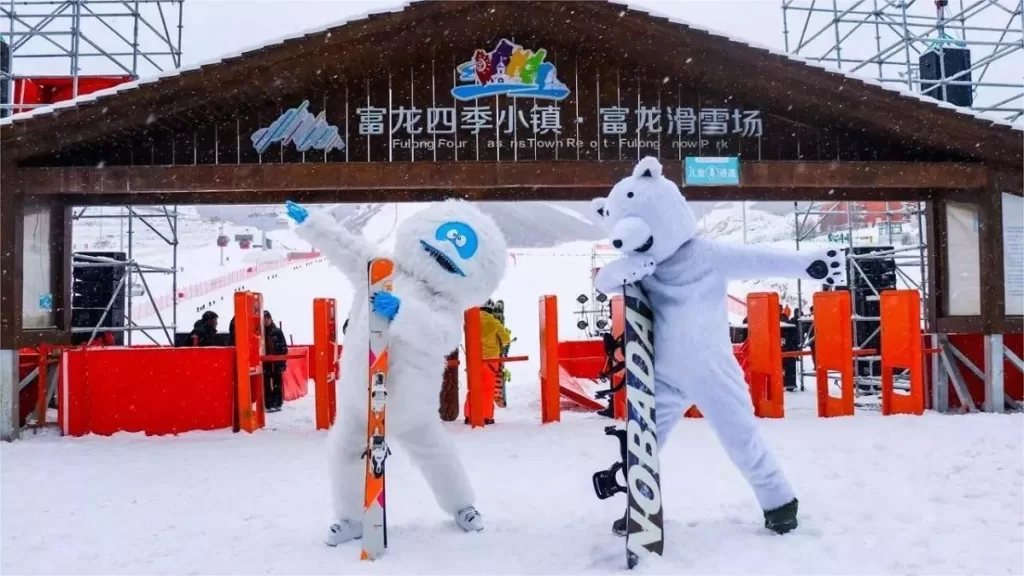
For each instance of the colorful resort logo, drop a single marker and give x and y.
(512, 71)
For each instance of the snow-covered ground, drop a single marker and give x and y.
(880, 495)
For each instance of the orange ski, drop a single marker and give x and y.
(375, 537)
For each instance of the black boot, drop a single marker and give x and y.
(782, 519)
(619, 526)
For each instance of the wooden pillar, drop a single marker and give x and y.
(990, 254)
(10, 302)
(11, 251)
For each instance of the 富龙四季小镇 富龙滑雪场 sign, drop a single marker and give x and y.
(531, 116)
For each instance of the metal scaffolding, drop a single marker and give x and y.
(162, 221)
(885, 39)
(904, 246)
(90, 37)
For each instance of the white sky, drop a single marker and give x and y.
(216, 27)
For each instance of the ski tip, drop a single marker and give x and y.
(381, 268)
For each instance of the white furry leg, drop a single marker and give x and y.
(669, 405)
(346, 468)
(434, 453)
(716, 385)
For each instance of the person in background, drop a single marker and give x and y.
(494, 338)
(448, 402)
(231, 331)
(273, 372)
(204, 330)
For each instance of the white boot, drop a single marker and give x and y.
(342, 532)
(469, 519)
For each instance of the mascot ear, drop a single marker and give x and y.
(597, 207)
(649, 167)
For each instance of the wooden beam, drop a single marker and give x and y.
(353, 181)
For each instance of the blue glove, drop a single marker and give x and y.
(386, 304)
(296, 212)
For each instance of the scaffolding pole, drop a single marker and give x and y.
(160, 221)
(75, 38)
(884, 39)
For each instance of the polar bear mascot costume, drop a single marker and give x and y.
(448, 257)
(685, 277)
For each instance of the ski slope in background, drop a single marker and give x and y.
(879, 495)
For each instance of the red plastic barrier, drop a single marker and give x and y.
(151, 390)
(973, 346)
(582, 358)
(296, 378)
(569, 387)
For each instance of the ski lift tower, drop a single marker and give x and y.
(969, 53)
(56, 50)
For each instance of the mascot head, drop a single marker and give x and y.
(645, 214)
(455, 249)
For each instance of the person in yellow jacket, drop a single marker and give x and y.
(494, 339)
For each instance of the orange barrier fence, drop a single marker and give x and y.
(326, 360)
(902, 348)
(480, 393)
(764, 340)
(833, 338)
(562, 362)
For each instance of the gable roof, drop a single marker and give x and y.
(831, 78)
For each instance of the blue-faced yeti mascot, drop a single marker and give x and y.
(448, 257)
(648, 220)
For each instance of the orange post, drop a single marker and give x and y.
(764, 342)
(618, 328)
(325, 361)
(902, 348)
(249, 367)
(550, 403)
(833, 351)
(474, 368)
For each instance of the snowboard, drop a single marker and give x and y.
(375, 535)
(644, 515)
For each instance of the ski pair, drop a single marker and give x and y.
(375, 536)
(638, 440)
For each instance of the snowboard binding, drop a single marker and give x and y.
(612, 345)
(606, 484)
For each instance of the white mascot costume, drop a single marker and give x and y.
(448, 257)
(648, 220)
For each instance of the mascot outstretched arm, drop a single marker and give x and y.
(346, 251)
(448, 257)
(686, 279)
(743, 262)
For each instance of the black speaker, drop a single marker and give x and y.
(880, 273)
(866, 337)
(90, 318)
(952, 61)
(92, 288)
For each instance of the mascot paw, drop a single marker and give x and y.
(386, 304)
(296, 212)
(613, 275)
(830, 268)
